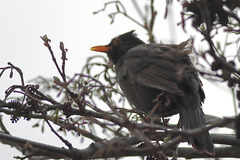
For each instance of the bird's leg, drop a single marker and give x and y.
(152, 111)
(157, 102)
(175, 153)
(157, 156)
(178, 124)
(164, 101)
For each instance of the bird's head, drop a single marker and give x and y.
(119, 46)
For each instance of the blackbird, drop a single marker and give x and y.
(162, 74)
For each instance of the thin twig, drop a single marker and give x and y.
(19, 71)
(46, 43)
(53, 130)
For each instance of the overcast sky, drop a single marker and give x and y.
(73, 22)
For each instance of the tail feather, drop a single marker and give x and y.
(192, 117)
(202, 142)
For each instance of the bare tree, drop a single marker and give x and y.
(92, 99)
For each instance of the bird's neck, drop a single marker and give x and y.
(121, 51)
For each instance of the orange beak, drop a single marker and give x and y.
(101, 48)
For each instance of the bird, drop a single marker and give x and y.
(160, 73)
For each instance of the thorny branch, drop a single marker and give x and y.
(123, 144)
(180, 135)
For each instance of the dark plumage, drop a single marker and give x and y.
(146, 71)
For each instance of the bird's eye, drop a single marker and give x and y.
(117, 42)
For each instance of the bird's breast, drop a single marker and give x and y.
(140, 96)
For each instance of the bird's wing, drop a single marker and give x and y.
(153, 66)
